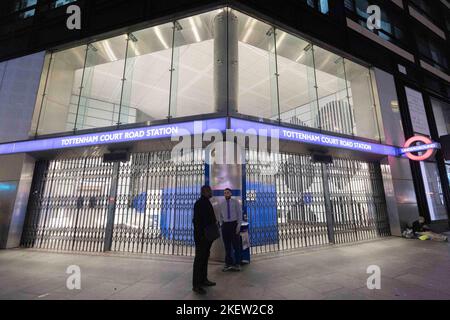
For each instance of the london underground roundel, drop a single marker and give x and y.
(427, 147)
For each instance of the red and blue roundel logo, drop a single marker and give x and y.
(426, 145)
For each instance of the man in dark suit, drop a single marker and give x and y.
(203, 216)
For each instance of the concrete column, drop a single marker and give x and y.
(19, 84)
(226, 86)
(16, 174)
(225, 171)
(400, 194)
(226, 67)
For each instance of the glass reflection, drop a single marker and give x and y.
(147, 75)
(98, 104)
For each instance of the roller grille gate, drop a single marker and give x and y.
(155, 202)
(68, 206)
(292, 202)
(358, 202)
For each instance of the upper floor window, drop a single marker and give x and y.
(428, 8)
(391, 29)
(447, 20)
(25, 8)
(441, 112)
(320, 5)
(60, 3)
(433, 52)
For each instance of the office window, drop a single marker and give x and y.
(320, 5)
(442, 116)
(24, 4)
(428, 8)
(60, 3)
(25, 8)
(433, 52)
(391, 25)
(447, 20)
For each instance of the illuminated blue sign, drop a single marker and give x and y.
(423, 147)
(313, 138)
(118, 136)
(196, 127)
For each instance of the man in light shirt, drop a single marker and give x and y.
(230, 217)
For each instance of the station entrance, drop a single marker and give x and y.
(146, 204)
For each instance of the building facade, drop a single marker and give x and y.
(320, 106)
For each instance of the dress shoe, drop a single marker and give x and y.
(199, 290)
(208, 283)
(236, 268)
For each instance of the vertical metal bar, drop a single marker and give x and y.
(350, 105)
(123, 80)
(78, 207)
(146, 170)
(41, 239)
(111, 207)
(301, 189)
(328, 207)
(81, 87)
(44, 93)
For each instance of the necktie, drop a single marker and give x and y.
(228, 210)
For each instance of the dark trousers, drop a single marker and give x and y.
(231, 241)
(202, 250)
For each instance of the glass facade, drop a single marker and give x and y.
(146, 88)
(219, 62)
(192, 84)
(59, 90)
(434, 191)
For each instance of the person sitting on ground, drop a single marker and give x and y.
(420, 226)
(421, 229)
